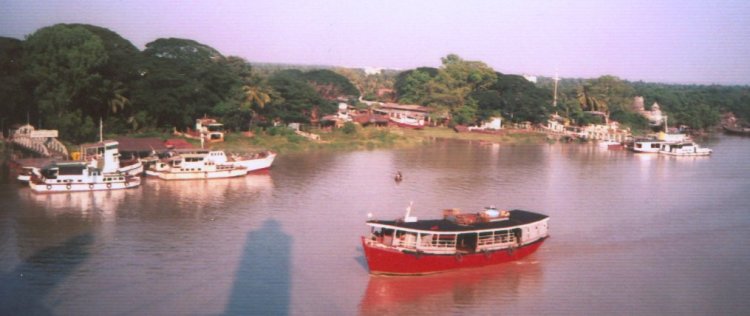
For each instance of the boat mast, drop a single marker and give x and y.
(554, 100)
(101, 130)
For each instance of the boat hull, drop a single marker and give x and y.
(413, 124)
(195, 175)
(43, 187)
(256, 164)
(383, 260)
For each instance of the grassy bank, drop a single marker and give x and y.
(282, 140)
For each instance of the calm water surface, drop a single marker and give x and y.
(631, 234)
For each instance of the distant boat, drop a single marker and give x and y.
(684, 149)
(407, 121)
(408, 246)
(610, 144)
(736, 130)
(646, 145)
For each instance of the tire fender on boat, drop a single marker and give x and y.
(67, 186)
(109, 185)
(510, 251)
(49, 187)
(91, 186)
(459, 257)
(487, 254)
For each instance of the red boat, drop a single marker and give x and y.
(409, 246)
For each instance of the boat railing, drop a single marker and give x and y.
(437, 243)
(495, 240)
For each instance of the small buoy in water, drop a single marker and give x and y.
(398, 177)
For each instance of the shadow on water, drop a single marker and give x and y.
(262, 283)
(23, 290)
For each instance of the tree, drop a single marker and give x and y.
(411, 85)
(297, 101)
(63, 61)
(15, 91)
(182, 80)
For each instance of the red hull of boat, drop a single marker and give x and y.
(389, 261)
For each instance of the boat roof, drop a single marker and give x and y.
(517, 218)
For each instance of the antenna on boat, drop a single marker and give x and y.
(407, 217)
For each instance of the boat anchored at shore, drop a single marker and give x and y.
(408, 246)
(79, 176)
(193, 166)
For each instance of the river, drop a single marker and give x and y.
(630, 234)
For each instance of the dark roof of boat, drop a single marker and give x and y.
(517, 217)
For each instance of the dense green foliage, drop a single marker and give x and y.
(69, 76)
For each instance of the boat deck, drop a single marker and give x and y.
(517, 217)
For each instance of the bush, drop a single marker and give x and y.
(349, 128)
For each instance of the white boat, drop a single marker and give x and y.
(407, 121)
(647, 145)
(684, 149)
(79, 176)
(252, 162)
(255, 162)
(610, 144)
(190, 166)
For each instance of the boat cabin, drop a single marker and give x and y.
(488, 230)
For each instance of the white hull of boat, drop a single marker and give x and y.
(687, 154)
(49, 187)
(195, 175)
(256, 163)
(135, 169)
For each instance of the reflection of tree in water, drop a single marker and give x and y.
(440, 293)
(262, 283)
(23, 290)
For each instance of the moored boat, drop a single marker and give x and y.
(79, 176)
(408, 246)
(646, 145)
(190, 166)
(684, 149)
(736, 130)
(252, 162)
(407, 121)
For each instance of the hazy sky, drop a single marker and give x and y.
(680, 41)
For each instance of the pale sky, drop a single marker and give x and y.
(679, 41)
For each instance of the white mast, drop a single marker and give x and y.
(101, 130)
(554, 102)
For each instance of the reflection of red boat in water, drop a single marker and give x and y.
(411, 246)
(437, 293)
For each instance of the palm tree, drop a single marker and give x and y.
(117, 101)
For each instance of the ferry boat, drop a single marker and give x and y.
(408, 246)
(79, 176)
(190, 166)
(684, 149)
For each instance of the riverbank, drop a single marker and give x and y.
(282, 140)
